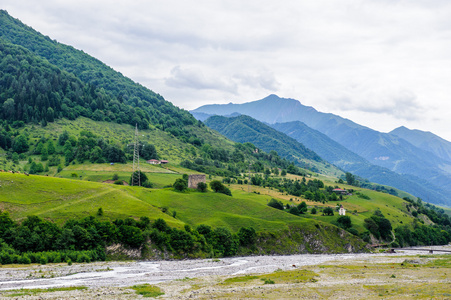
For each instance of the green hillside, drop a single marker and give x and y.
(62, 199)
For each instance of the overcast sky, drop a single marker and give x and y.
(381, 63)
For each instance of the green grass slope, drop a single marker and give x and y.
(59, 199)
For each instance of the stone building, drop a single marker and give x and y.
(194, 179)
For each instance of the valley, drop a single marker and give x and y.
(94, 172)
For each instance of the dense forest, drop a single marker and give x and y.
(42, 80)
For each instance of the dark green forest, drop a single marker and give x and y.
(60, 81)
(35, 240)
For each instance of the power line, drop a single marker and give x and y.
(136, 176)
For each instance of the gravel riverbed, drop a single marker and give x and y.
(103, 275)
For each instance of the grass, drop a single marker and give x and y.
(58, 199)
(32, 292)
(147, 290)
(290, 276)
(61, 198)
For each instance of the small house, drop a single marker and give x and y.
(163, 162)
(342, 211)
(153, 161)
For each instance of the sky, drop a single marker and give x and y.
(382, 63)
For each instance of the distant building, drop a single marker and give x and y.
(340, 191)
(157, 162)
(342, 211)
(153, 161)
(193, 180)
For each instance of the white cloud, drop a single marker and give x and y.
(389, 61)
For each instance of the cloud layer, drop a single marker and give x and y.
(380, 63)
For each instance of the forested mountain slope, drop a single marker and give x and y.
(246, 129)
(381, 149)
(105, 94)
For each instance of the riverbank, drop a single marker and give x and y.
(325, 276)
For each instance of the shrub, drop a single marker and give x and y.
(180, 185)
(247, 236)
(302, 207)
(276, 204)
(294, 211)
(353, 231)
(161, 225)
(218, 187)
(203, 229)
(137, 176)
(344, 222)
(328, 211)
(100, 212)
(202, 187)
(147, 184)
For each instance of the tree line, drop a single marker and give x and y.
(41, 241)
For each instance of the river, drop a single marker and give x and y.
(136, 272)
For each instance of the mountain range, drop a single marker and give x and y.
(424, 166)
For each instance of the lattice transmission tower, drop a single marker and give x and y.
(136, 176)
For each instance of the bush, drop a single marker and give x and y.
(100, 212)
(218, 187)
(180, 184)
(353, 231)
(344, 222)
(294, 211)
(247, 236)
(161, 225)
(223, 242)
(147, 184)
(276, 204)
(137, 176)
(202, 187)
(313, 211)
(328, 211)
(302, 207)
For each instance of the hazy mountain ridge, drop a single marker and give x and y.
(381, 149)
(426, 141)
